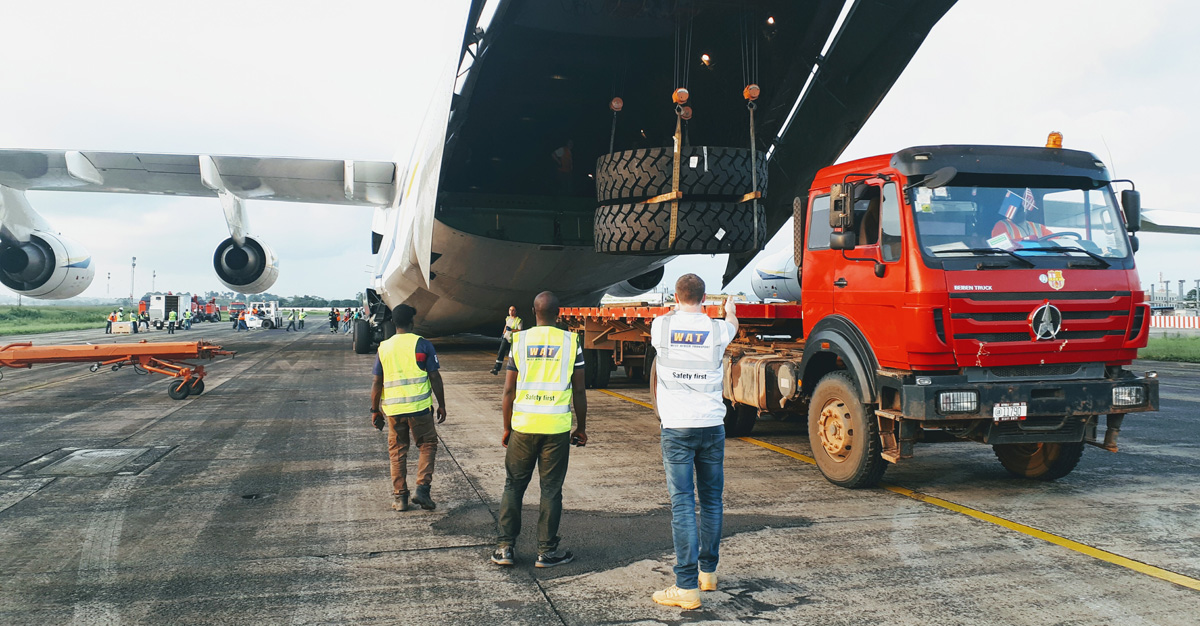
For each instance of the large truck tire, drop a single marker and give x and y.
(597, 368)
(362, 337)
(703, 228)
(703, 171)
(843, 436)
(1039, 461)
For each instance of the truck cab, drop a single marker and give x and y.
(968, 292)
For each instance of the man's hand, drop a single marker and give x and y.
(441, 414)
(378, 420)
(579, 437)
(504, 437)
(730, 308)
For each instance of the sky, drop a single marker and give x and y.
(351, 81)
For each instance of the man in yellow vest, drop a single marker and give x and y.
(406, 376)
(512, 324)
(172, 317)
(544, 378)
(133, 323)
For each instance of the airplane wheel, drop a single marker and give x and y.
(178, 388)
(703, 171)
(196, 387)
(702, 228)
(362, 337)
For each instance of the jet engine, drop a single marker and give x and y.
(637, 285)
(251, 268)
(776, 277)
(48, 266)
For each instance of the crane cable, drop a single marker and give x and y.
(749, 45)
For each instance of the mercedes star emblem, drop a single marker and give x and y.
(1045, 322)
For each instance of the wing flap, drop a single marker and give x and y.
(255, 178)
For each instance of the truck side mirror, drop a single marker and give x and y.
(1131, 201)
(842, 241)
(1133, 243)
(841, 209)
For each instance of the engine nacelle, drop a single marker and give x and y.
(252, 268)
(48, 266)
(776, 277)
(637, 285)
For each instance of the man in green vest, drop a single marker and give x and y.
(171, 319)
(187, 319)
(132, 319)
(406, 376)
(303, 314)
(512, 324)
(544, 378)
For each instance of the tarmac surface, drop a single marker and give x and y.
(266, 500)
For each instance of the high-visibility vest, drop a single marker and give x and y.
(187, 315)
(130, 316)
(512, 324)
(172, 317)
(688, 358)
(405, 385)
(545, 360)
(303, 314)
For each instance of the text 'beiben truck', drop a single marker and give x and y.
(948, 293)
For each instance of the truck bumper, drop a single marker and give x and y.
(1057, 411)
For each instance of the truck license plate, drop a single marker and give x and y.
(1009, 411)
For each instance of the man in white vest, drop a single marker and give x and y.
(687, 393)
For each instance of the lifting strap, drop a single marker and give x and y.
(675, 176)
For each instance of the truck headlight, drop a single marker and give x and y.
(1130, 395)
(958, 402)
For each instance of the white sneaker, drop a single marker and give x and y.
(687, 599)
(708, 581)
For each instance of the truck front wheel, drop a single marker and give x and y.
(1039, 461)
(844, 440)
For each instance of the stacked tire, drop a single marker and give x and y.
(711, 218)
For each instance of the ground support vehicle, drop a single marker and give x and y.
(270, 315)
(949, 293)
(161, 305)
(167, 359)
(205, 311)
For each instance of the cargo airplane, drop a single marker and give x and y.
(477, 218)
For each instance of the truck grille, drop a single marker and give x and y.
(1091, 321)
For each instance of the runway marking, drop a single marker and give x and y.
(1082, 548)
(97, 560)
(627, 398)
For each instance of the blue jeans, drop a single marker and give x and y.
(698, 453)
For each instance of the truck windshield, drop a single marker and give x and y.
(1029, 222)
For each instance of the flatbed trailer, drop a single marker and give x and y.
(619, 336)
(166, 358)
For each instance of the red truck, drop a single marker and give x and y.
(205, 311)
(948, 293)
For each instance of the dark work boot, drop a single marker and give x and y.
(422, 498)
(496, 368)
(401, 502)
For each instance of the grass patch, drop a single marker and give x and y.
(1172, 348)
(28, 320)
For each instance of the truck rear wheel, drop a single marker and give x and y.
(1039, 461)
(362, 337)
(597, 366)
(844, 440)
(703, 228)
(739, 419)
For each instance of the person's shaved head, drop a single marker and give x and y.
(545, 308)
(689, 289)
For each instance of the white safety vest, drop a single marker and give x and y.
(690, 378)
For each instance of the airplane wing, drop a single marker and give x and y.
(364, 183)
(1164, 221)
